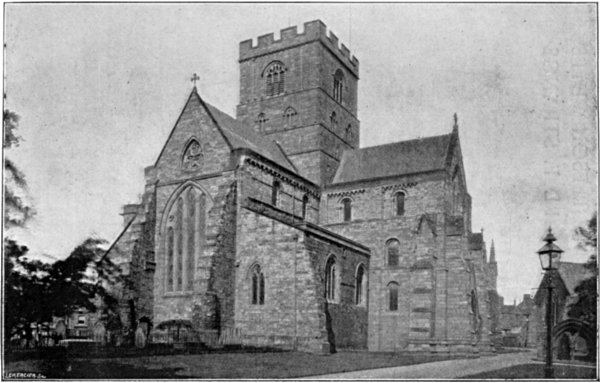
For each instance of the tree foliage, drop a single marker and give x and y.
(585, 307)
(17, 211)
(35, 292)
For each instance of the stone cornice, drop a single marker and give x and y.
(394, 187)
(346, 193)
(314, 191)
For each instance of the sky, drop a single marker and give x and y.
(100, 86)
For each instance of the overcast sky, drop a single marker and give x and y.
(100, 86)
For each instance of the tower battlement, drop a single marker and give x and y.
(313, 31)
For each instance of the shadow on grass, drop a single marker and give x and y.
(228, 363)
(91, 369)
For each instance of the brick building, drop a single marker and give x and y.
(275, 228)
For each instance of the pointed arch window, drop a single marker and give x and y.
(261, 121)
(290, 116)
(346, 210)
(258, 286)
(331, 280)
(179, 245)
(392, 291)
(275, 78)
(333, 121)
(348, 134)
(338, 85)
(184, 239)
(170, 258)
(393, 252)
(360, 286)
(399, 202)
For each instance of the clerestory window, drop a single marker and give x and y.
(347, 210)
(399, 202)
(393, 296)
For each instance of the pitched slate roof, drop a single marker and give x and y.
(572, 274)
(398, 158)
(240, 135)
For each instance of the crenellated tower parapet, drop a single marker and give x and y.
(314, 30)
(301, 90)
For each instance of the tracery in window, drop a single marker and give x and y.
(275, 77)
(290, 116)
(184, 239)
(338, 85)
(192, 156)
(179, 245)
(258, 286)
(347, 210)
(393, 252)
(392, 296)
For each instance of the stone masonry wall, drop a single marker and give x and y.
(348, 318)
(291, 313)
(274, 237)
(212, 178)
(311, 60)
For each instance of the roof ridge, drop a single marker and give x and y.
(285, 155)
(399, 142)
(214, 120)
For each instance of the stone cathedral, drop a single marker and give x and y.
(275, 228)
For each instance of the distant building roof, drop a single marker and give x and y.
(398, 158)
(240, 135)
(475, 241)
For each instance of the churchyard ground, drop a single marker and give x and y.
(232, 365)
(536, 371)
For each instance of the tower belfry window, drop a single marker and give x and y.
(338, 85)
(275, 76)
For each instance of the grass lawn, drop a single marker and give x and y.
(536, 371)
(217, 365)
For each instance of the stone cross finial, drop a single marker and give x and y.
(194, 79)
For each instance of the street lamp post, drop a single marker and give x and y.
(549, 258)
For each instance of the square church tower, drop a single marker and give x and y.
(301, 91)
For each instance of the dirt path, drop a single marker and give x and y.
(448, 369)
